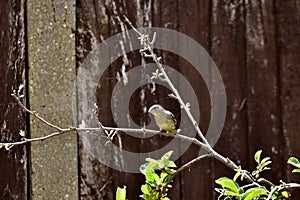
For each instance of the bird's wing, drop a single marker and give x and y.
(171, 121)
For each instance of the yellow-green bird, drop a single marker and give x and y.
(164, 119)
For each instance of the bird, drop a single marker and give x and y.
(164, 119)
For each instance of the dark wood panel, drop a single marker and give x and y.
(13, 165)
(228, 51)
(136, 12)
(288, 19)
(92, 28)
(256, 54)
(193, 20)
(165, 15)
(263, 89)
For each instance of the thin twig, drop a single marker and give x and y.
(281, 187)
(190, 163)
(36, 115)
(148, 46)
(29, 140)
(265, 181)
(148, 51)
(182, 168)
(106, 183)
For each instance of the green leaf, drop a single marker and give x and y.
(171, 164)
(163, 175)
(230, 193)
(150, 176)
(241, 191)
(164, 198)
(296, 171)
(294, 161)
(145, 196)
(253, 193)
(170, 171)
(265, 164)
(121, 193)
(152, 165)
(166, 156)
(143, 168)
(157, 179)
(165, 160)
(238, 173)
(265, 160)
(150, 160)
(257, 156)
(229, 184)
(146, 189)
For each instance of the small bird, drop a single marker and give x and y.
(164, 119)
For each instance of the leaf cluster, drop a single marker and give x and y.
(231, 190)
(158, 174)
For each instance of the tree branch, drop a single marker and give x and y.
(148, 46)
(148, 51)
(36, 115)
(102, 128)
(190, 163)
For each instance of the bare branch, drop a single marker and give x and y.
(281, 187)
(147, 45)
(102, 128)
(36, 115)
(190, 163)
(29, 140)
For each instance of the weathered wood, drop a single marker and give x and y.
(163, 15)
(263, 90)
(92, 28)
(288, 28)
(136, 12)
(193, 20)
(256, 54)
(13, 165)
(228, 51)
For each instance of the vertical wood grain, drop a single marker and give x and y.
(254, 45)
(92, 28)
(165, 15)
(13, 165)
(193, 20)
(228, 51)
(264, 127)
(288, 28)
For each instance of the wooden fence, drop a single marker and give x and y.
(254, 43)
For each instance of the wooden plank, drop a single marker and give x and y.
(193, 20)
(13, 165)
(165, 15)
(228, 52)
(288, 27)
(52, 73)
(92, 28)
(135, 11)
(264, 127)
(107, 23)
